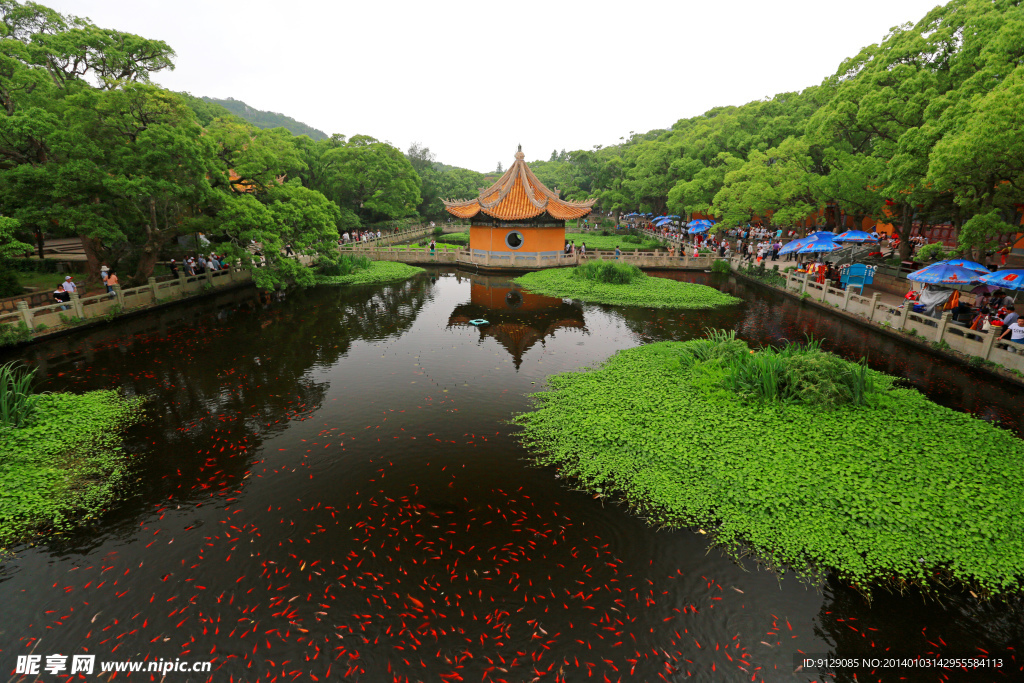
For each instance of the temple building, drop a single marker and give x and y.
(518, 214)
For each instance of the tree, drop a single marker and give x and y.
(371, 179)
(136, 168)
(499, 169)
(10, 246)
(779, 182)
(285, 214)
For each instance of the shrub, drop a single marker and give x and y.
(9, 285)
(720, 266)
(30, 265)
(931, 252)
(609, 272)
(344, 264)
(14, 334)
(438, 231)
(632, 239)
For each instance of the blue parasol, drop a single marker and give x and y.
(964, 263)
(1010, 278)
(855, 237)
(815, 243)
(790, 247)
(945, 274)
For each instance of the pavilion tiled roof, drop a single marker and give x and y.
(519, 195)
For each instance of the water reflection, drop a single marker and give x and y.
(516, 319)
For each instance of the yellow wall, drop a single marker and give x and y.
(534, 239)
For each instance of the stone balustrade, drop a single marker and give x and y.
(83, 309)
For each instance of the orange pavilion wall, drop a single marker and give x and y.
(534, 239)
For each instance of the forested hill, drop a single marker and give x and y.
(267, 119)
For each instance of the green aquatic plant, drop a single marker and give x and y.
(858, 476)
(66, 465)
(376, 273)
(642, 290)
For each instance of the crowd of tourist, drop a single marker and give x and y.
(360, 236)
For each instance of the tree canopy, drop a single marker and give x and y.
(924, 126)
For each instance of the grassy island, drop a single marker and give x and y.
(61, 461)
(807, 460)
(366, 272)
(620, 284)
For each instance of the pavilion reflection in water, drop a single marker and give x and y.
(517, 319)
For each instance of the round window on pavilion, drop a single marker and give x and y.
(514, 239)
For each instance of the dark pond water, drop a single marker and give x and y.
(328, 489)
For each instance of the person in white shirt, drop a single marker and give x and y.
(1014, 331)
(69, 285)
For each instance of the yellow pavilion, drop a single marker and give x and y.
(518, 214)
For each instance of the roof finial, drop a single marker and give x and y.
(519, 154)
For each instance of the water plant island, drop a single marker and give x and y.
(61, 459)
(811, 462)
(621, 284)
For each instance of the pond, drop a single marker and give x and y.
(328, 488)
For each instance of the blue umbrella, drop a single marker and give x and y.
(855, 237)
(819, 245)
(964, 263)
(945, 274)
(702, 221)
(1010, 278)
(790, 247)
(698, 227)
(815, 243)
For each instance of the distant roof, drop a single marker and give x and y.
(519, 195)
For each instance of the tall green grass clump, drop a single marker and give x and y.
(720, 266)
(608, 272)
(815, 464)
(18, 400)
(802, 374)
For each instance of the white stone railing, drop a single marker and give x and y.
(81, 309)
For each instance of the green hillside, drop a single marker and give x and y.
(267, 119)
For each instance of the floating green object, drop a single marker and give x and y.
(478, 322)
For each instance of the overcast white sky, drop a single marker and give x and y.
(471, 80)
